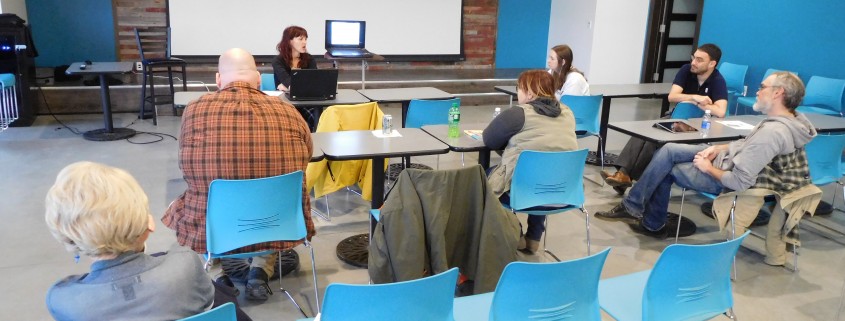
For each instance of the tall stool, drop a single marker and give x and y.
(8, 101)
(154, 48)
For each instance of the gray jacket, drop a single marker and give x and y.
(772, 137)
(135, 286)
(435, 220)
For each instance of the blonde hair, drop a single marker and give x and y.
(96, 210)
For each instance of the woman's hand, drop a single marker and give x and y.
(282, 87)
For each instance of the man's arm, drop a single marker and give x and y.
(676, 95)
(718, 108)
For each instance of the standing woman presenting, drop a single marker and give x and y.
(293, 54)
(568, 80)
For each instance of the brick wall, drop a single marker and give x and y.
(479, 32)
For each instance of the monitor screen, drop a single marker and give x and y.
(345, 33)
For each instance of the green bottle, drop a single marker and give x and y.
(454, 121)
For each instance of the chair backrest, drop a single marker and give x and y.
(429, 112)
(533, 184)
(691, 282)
(268, 82)
(224, 312)
(586, 110)
(425, 299)
(366, 116)
(825, 92)
(824, 155)
(549, 291)
(686, 111)
(153, 42)
(734, 76)
(250, 211)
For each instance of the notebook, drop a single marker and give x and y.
(345, 38)
(312, 84)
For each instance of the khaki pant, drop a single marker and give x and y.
(265, 262)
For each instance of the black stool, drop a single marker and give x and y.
(154, 48)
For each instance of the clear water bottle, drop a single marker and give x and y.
(705, 124)
(496, 112)
(454, 121)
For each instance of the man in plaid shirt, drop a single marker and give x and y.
(776, 142)
(237, 132)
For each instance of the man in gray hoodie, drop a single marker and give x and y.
(777, 141)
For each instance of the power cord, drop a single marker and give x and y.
(44, 98)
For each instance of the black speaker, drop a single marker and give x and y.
(17, 53)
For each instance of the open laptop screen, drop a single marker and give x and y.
(345, 34)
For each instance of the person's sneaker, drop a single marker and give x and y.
(531, 246)
(257, 288)
(619, 179)
(640, 229)
(618, 213)
(226, 281)
(688, 227)
(824, 208)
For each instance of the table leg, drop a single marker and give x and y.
(605, 116)
(664, 107)
(405, 105)
(484, 158)
(108, 133)
(354, 250)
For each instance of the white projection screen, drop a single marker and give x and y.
(428, 30)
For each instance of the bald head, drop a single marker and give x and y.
(237, 65)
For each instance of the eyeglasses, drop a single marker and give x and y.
(762, 86)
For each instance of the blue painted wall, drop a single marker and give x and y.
(800, 36)
(523, 33)
(68, 31)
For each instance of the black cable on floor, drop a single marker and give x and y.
(161, 137)
(43, 97)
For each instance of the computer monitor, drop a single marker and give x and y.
(345, 34)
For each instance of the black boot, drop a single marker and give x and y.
(257, 288)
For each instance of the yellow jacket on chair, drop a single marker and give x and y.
(345, 173)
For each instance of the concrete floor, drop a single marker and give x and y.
(30, 158)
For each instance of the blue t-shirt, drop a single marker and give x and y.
(714, 87)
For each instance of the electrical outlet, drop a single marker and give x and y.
(139, 66)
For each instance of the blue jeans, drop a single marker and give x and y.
(649, 197)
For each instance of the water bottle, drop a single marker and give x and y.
(496, 112)
(705, 124)
(454, 121)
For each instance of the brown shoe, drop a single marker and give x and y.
(619, 179)
(605, 174)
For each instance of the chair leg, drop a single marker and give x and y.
(730, 314)
(587, 220)
(795, 248)
(545, 235)
(733, 236)
(680, 215)
(314, 276)
(281, 287)
(143, 93)
(601, 157)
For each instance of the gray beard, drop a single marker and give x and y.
(760, 108)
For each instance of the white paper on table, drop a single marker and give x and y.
(736, 124)
(394, 133)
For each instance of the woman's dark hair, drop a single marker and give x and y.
(564, 54)
(285, 49)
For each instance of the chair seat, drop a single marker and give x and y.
(622, 296)
(746, 101)
(473, 307)
(164, 61)
(817, 110)
(543, 210)
(8, 80)
(239, 255)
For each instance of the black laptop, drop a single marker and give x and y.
(312, 84)
(346, 39)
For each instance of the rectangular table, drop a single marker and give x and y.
(822, 123)
(362, 144)
(464, 143)
(644, 130)
(101, 69)
(404, 96)
(651, 90)
(315, 107)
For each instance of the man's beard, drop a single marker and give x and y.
(762, 108)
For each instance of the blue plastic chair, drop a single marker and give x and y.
(747, 102)
(426, 299)
(686, 111)
(268, 82)
(8, 100)
(824, 155)
(586, 110)
(524, 292)
(225, 312)
(688, 282)
(429, 112)
(734, 75)
(536, 190)
(250, 211)
(823, 96)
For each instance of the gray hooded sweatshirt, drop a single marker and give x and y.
(773, 136)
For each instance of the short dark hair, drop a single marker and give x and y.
(711, 50)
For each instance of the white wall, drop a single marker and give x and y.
(618, 41)
(17, 7)
(571, 23)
